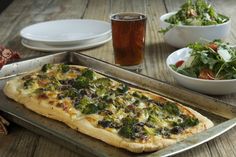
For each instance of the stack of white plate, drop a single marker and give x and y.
(61, 35)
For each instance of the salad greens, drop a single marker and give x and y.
(197, 13)
(213, 61)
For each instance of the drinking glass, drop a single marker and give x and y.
(128, 23)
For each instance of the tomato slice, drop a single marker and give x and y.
(179, 63)
(206, 74)
(213, 46)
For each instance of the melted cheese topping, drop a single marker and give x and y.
(114, 106)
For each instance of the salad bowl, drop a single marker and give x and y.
(182, 35)
(195, 21)
(210, 87)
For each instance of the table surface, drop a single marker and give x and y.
(21, 142)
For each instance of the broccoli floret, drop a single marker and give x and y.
(89, 74)
(127, 131)
(101, 91)
(46, 67)
(71, 92)
(102, 82)
(86, 106)
(83, 103)
(90, 109)
(53, 85)
(102, 106)
(128, 128)
(81, 82)
(64, 68)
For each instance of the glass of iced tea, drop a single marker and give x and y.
(128, 22)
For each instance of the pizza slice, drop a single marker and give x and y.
(122, 116)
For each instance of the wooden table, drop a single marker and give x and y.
(21, 142)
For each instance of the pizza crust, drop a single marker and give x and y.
(83, 123)
(113, 139)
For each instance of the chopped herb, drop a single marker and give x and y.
(150, 130)
(165, 132)
(171, 108)
(46, 67)
(187, 122)
(122, 89)
(140, 95)
(39, 90)
(28, 83)
(50, 87)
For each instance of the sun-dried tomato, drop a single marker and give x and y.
(7, 55)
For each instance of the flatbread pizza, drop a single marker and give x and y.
(122, 116)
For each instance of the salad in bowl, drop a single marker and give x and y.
(208, 68)
(198, 13)
(213, 61)
(195, 20)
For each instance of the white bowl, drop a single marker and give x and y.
(181, 36)
(211, 87)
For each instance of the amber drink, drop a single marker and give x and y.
(128, 35)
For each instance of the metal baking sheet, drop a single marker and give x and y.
(222, 114)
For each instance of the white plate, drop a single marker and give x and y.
(50, 48)
(212, 87)
(85, 42)
(70, 31)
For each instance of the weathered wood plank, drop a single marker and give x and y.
(156, 50)
(224, 145)
(19, 15)
(19, 142)
(99, 10)
(47, 148)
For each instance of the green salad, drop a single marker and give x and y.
(212, 61)
(196, 13)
